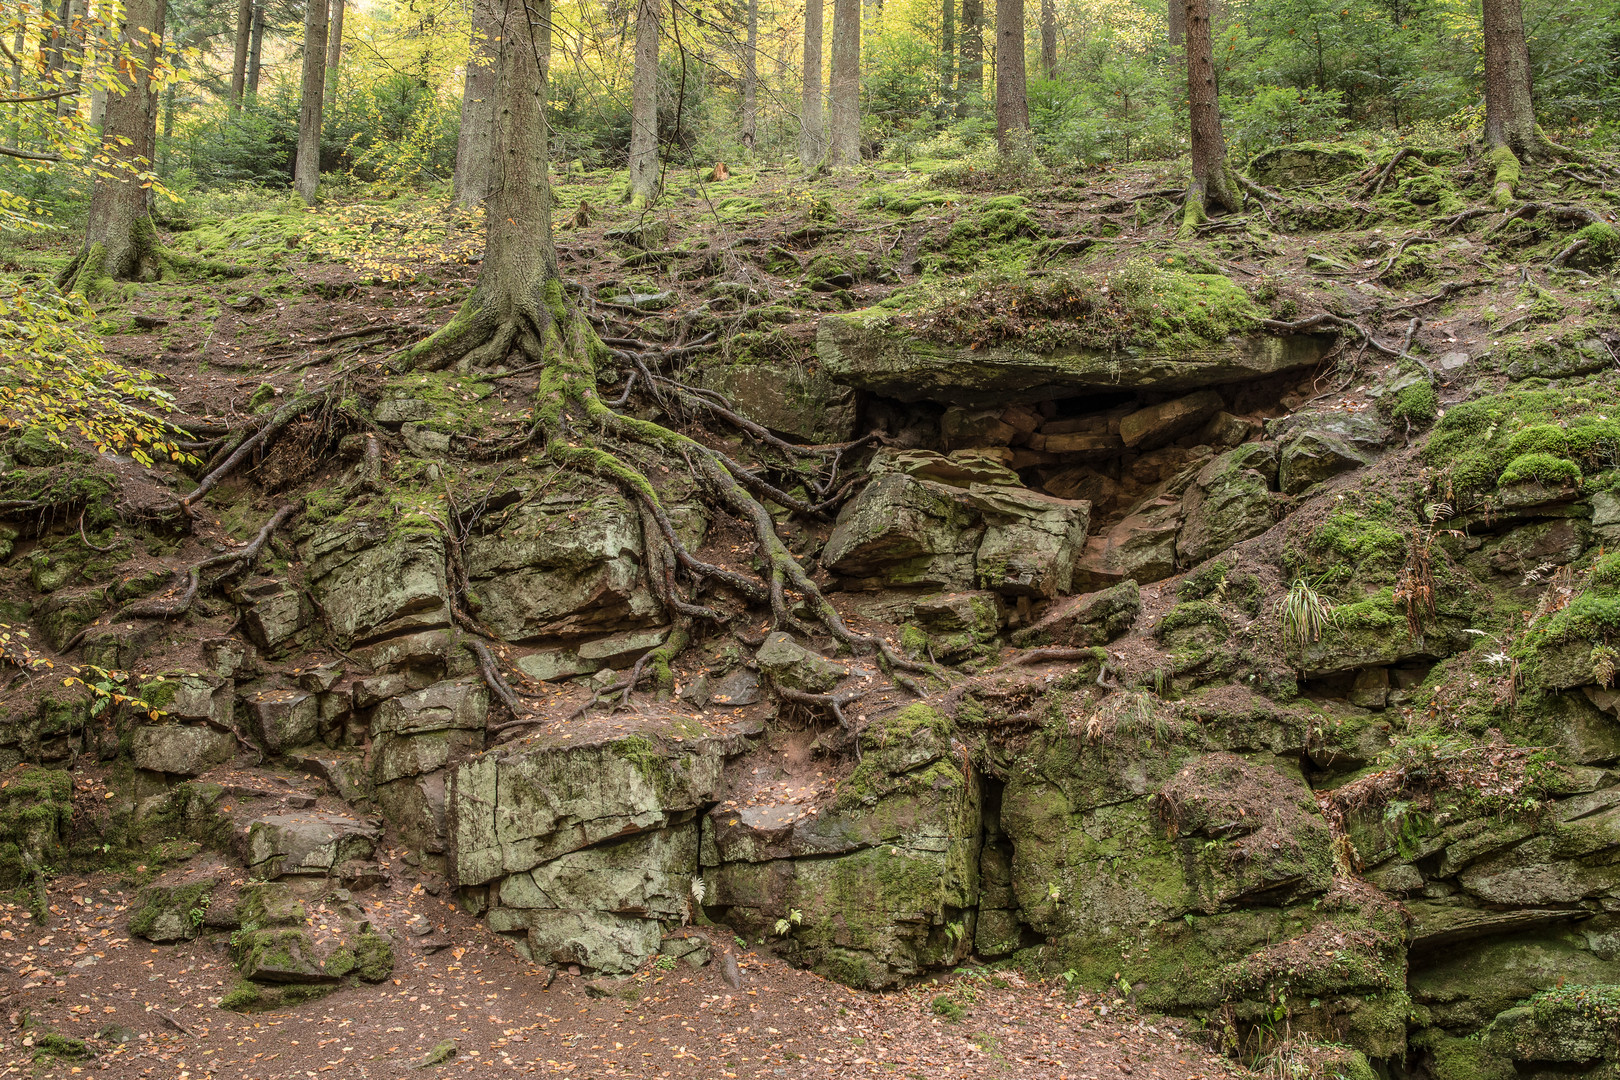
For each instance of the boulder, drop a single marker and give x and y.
(457, 704)
(1156, 425)
(875, 350)
(1229, 502)
(283, 845)
(562, 565)
(1306, 163)
(181, 749)
(284, 718)
(1141, 547)
(1318, 446)
(1093, 618)
(1030, 540)
(372, 581)
(163, 914)
(906, 531)
(279, 956)
(397, 756)
(553, 665)
(790, 664)
(794, 399)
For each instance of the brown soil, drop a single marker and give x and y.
(149, 1012)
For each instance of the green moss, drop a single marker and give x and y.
(1544, 468)
(155, 901)
(374, 957)
(1351, 539)
(1191, 614)
(1417, 405)
(52, 1046)
(1476, 441)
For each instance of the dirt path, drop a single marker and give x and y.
(149, 1012)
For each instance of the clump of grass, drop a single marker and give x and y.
(1305, 613)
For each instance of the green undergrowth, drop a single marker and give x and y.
(1554, 435)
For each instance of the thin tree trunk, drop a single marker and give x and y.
(750, 87)
(119, 239)
(477, 135)
(239, 61)
(644, 105)
(1177, 19)
(307, 169)
(255, 47)
(168, 134)
(947, 57)
(1212, 183)
(970, 76)
(845, 148)
(334, 49)
(53, 36)
(1012, 90)
(16, 72)
(72, 57)
(1049, 39)
(812, 137)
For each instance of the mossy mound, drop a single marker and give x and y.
(36, 814)
(1476, 442)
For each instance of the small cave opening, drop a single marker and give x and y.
(999, 928)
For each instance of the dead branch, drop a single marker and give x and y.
(833, 703)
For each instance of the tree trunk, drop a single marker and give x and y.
(307, 168)
(1177, 19)
(255, 47)
(244, 35)
(970, 76)
(477, 135)
(16, 72)
(1049, 39)
(1012, 90)
(119, 241)
(812, 137)
(644, 105)
(73, 56)
(1510, 115)
(1212, 182)
(750, 87)
(947, 57)
(334, 49)
(845, 148)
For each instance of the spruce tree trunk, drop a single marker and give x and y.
(812, 136)
(1012, 90)
(307, 168)
(970, 75)
(845, 147)
(119, 241)
(947, 57)
(1177, 19)
(239, 61)
(477, 134)
(1510, 115)
(334, 49)
(644, 105)
(750, 87)
(1212, 183)
(1049, 39)
(255, 47)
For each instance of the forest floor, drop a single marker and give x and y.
(149, 1011)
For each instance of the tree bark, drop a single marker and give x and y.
(1049, 39)
(644, 105)
(1510, 115)
(119, 241)
(334, 49)
(16, 72)
(970, 75)
(1177, 19)
(307, 168)
(73, 56)
(1212, 183)
(255, 47)
(845, 148)
(476, 138)
(1012, 89)
(947, 57)
(812, 136)
(239, 61)
(750, 87)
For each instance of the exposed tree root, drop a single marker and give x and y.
(280, 419)
(1327, 318)
(1578, 215)
(144, 259)
(233, 561)
(1375, 186)
(833, 703)
(85, 540)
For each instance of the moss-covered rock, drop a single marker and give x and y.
(164, 913)
(36, 814)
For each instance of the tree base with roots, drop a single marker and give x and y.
(138, 257)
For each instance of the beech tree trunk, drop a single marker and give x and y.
(307, 168)
(1049, 39)
(750, 87)
(1212, 183)
(255, 47)
(947, 56)
(970, 75)
(119, 240)
(845, 147)
(476, 139)
(812, 136)
(334, 48)
(16, 72)
(644, 105)
(1012, 88)
(239, 61)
